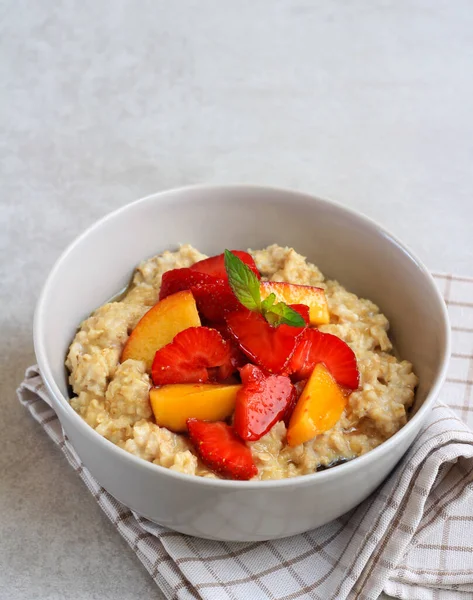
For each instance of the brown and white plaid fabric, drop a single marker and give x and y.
(413, 538)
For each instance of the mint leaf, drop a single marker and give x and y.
(243, 281)
(268, 303)
(282, 314)
(246, 287)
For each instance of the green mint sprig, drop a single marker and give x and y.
(246, 287)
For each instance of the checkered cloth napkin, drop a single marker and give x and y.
(413, 538)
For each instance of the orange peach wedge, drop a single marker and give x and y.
(291, 293)
(173, 404)
(159, 326)
(319, 407)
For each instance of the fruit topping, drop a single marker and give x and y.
(173, 404)
(221, 449)
(262, 401)
(177, 280)
(246, 287)
(237, 358)
(159, 326)
(299, 375)
(318, 409)
(215, 265)
(189, 356)
(316, 347)
(303, 310)
(267, 346)
(215, 300)
(291, 293)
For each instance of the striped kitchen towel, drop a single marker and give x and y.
(413, 538)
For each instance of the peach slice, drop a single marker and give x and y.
(173, 404)
(319, 407)
(159, 326)
(291, 293)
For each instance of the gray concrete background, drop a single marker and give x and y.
(369, 103)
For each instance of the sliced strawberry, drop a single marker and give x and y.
(303, 310)
(237, 358)
(221, 449)
(215, 300)
(215, 265)
(187, 358)
(178, 280)
(262, 401)
(337, 356)
(269, 347)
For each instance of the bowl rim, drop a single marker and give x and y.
(358, 462)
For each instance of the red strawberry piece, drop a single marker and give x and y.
(337, 356)
(262, 401)
(178, 280)
(215, 265)
(187, 358)
(303, 310)
(267, 346)
(221, 449)
(237, 358)
(215, 300)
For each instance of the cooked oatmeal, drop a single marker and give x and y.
(113, 398)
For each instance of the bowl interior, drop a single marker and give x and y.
(344, 245)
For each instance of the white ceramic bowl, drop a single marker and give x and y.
(345, 245)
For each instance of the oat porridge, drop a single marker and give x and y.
(245, 366)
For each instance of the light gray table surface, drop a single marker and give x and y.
(369, 103)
